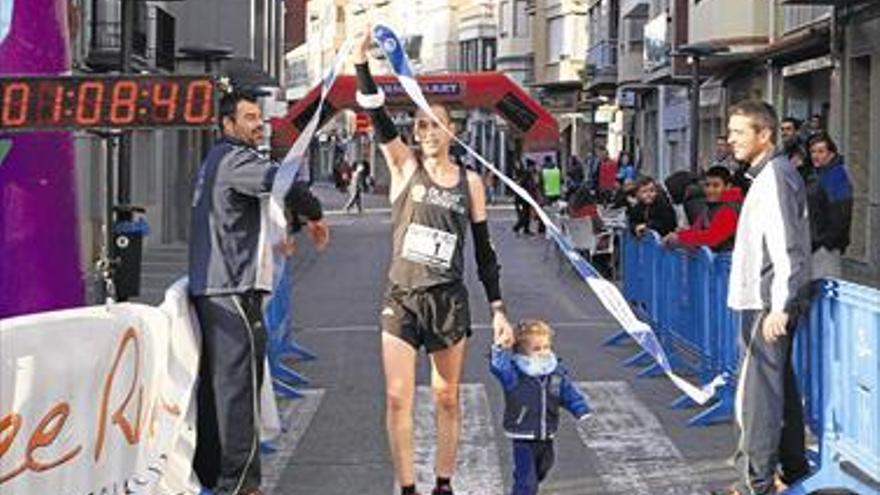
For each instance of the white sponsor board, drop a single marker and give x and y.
(97, 400)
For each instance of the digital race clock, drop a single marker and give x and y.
(76, 102)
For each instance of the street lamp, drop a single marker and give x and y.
(695, 52)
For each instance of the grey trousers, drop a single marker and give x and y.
(769, 414)
(826, 264)
(227, 457)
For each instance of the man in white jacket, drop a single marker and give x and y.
(769, 279)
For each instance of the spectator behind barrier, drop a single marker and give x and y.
(684, 189)
(716, 226)
(811, 128)
(724, 155)
(574, 176)
(607, 176)
(626, 168)
(795, 148)
(625, 197)
(582, 203)
(653, 210)
(830, 200)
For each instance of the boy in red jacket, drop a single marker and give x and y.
(716, 226)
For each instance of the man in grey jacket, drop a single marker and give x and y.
(227, 283)
(769, 285)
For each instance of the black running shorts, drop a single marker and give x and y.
(436, 317)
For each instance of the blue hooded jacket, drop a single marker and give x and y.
(531, 404)
(830, 199)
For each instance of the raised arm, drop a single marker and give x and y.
(400, 159)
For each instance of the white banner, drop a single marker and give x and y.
(97, 400)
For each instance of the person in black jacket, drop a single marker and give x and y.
(830, 200)
(526, 180)
(794, 148)
(653, 211)
(684, 189)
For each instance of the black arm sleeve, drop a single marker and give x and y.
(365, 79)
(385, 128)
(487, 262)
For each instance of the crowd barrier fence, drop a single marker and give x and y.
(683, 295)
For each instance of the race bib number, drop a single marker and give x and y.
(429, 246)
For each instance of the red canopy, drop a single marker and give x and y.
(488, 90)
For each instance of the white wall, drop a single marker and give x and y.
(727, 19)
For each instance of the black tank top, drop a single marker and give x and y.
(429, 224)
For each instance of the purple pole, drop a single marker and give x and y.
(39, 241)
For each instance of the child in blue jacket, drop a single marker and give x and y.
(535, 385)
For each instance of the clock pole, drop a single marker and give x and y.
(125, 50)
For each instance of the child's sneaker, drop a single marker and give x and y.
(446, 490)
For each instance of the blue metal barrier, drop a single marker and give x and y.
(836, 353)
(721, 343)
(632, 283)
(845, 404)
(808, 363)
(649, 288)
(683, 294)
(281, 345)
(676, 292)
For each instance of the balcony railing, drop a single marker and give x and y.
(603, 55)
(796, 16)
(634, 8)
(107, 35)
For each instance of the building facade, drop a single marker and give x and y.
(559, 37)
(855, 125)
(515, 55)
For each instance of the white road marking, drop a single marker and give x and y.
(634, 454)
(479, 467)
(296, 415)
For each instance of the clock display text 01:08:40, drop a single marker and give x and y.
(34, 103)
